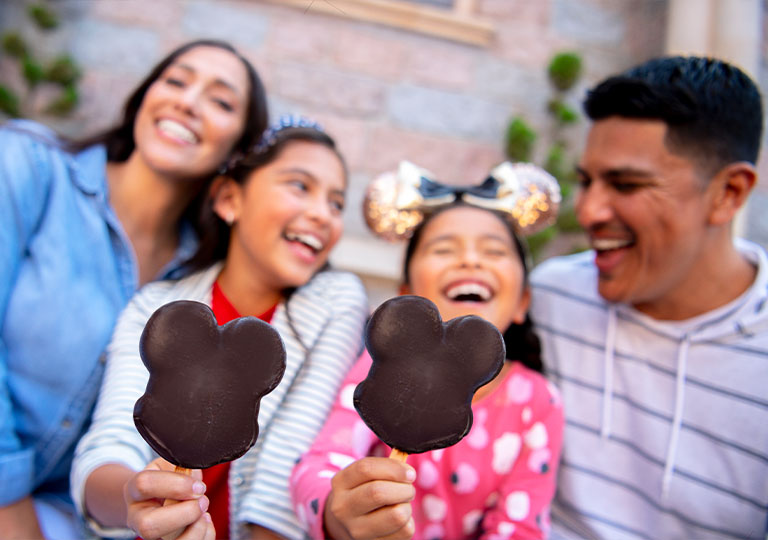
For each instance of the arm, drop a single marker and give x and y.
(24, 182)
(18, 521)
(340, 493)
(112, 451)
(304, 408)
(527, 490)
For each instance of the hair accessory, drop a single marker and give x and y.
(396, 202)
(269, 137)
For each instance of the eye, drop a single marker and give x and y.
(337, 206)
(298, 184)
(172, 81)
(224, 104)
(627, 187)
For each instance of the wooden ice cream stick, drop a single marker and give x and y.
(399, 455)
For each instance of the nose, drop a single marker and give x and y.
(188, 100)
(470, 258)
(593, 204)
(319, 210)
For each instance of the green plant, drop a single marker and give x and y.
(564, 71)
(61, 72)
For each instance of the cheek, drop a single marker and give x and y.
(225, 129)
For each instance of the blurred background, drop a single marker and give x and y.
(456, 86)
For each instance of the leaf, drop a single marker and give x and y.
(63, 70)
(43, 16)
(32, 71)
(520, 140)
(9, 102)
(65, 103)
(14, 45)
(564, 70)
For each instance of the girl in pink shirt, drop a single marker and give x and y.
(498, 481)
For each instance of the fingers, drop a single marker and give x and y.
(160, 501)
(374, 468)
(371, 499)
(159, 484)
(390, 522)
(155, 521)
(202, 529)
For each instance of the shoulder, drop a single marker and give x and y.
(566, 270)
(196, 286)
(29, 136)
(336, 287)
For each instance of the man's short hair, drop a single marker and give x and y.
(713, 110)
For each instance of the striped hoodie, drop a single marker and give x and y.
(666, 421)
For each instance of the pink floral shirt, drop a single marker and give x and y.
(496, 483)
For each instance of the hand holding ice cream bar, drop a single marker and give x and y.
(202, 400)
(418, 393)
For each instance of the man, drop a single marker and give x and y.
(658, 337)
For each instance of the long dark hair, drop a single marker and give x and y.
(520, 340)
(214, 238)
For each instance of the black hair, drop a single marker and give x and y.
(712, 109)
(214, 238)
(520, 340)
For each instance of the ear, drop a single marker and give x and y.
(522, 307)
(730, 188)
(227, 198)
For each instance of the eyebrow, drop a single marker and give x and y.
(218, 81)
(312, 177)
(618, 172)
(453, 237)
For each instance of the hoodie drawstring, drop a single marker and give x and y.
(669, 467)
(610, 342)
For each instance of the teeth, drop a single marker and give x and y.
(177, 130)
(469, 288)
(306, 239)
(603, 244)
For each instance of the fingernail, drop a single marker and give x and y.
(207, 517)
(203, 502)
(198, 488)
(410, 475)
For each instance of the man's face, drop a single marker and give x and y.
(645, 210)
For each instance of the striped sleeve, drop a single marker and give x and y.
(112, 436)
(307, 403)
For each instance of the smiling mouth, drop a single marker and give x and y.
(469, 292)
(307, 240)
(610, 244)
(177, 130)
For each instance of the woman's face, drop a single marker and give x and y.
(287, 215)
(467, 264)
(193, 114)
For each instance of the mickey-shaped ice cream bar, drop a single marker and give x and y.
(202, 400)
(418, 393)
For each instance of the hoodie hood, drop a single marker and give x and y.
(743, 316)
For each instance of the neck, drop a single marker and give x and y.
(148, 205)
(721, 277)
(244, 290)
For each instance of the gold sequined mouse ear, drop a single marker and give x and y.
(393, 203)
(527, 194)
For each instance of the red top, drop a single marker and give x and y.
(215, 478)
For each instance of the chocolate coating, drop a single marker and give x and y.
(418, 393)
(201, 405)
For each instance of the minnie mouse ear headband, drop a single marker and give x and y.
(396, 202)
(270, 137)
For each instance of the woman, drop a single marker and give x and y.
(277, 215)
(498, 481)
(82, 226)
